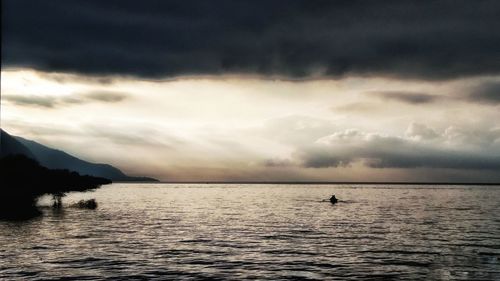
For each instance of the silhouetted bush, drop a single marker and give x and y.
(24, 180)
(86, 204)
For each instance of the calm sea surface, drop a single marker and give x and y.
(227, 232)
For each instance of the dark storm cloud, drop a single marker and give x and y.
(407, 97)
(487, 92)
(290, 39)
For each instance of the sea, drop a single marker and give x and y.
(260, 232)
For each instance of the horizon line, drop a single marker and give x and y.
(318, 182)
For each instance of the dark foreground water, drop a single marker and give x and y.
(200, 232)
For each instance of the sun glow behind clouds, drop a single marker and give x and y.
(239, 128)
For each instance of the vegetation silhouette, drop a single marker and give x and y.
(24, 180)
(86, 204)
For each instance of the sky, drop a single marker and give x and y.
(259, 90)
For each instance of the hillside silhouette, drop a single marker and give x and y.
(57, 159)
(11, 146)
(24, 180)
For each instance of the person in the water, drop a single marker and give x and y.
(333, 199)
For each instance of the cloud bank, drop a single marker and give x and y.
(52, 101)
(453, 150)
(295, 39)
(487, 93)
(407, 97)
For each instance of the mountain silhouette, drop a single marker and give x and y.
(57, 159)
(11, 146)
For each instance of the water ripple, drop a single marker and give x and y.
(262, 232)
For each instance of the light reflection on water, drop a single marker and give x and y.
(173, 231)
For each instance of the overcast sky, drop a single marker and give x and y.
(260, 90)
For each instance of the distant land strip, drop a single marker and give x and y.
(327, 182)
